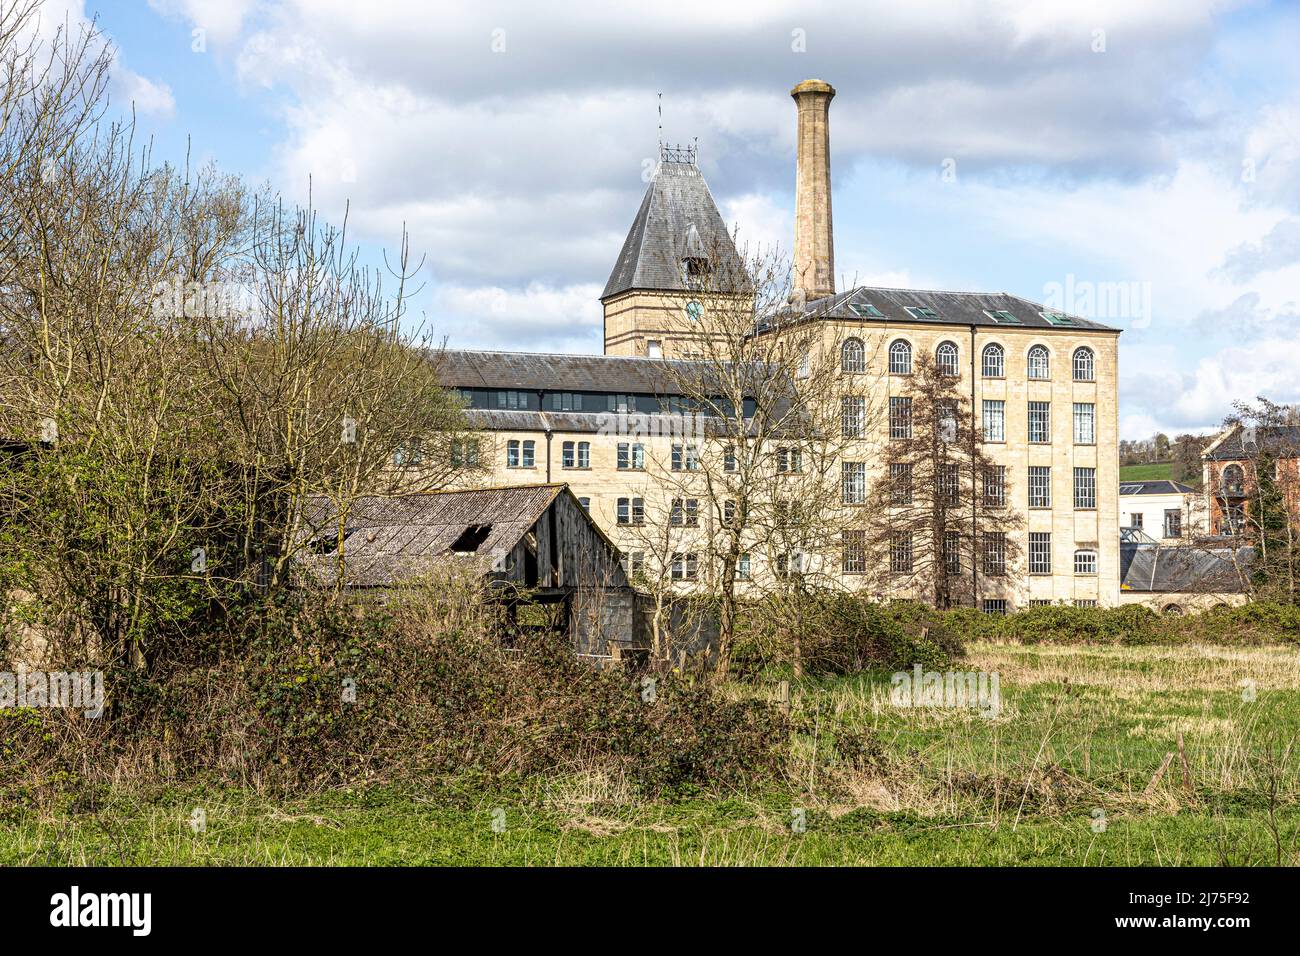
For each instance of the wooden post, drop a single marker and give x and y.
(783, 695)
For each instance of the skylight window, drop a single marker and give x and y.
(866, 310)
(1130, 489)
(1003, 317)
(1057, 318)
(921, 312)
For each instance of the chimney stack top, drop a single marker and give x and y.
(813, 86)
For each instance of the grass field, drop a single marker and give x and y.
(1152, 472)
(1062, 775)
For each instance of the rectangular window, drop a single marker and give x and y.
(586, 503)
(853, 416)
(1085, 562)
(621, 403)
(995, 486)
(1085, 488)
(728, 513)
(567, 457)
(685, 458)
(1040, 486)
(854, 474)
(949, 486)
(512, 400)
(635, 563)
(520, 454)
(464, 454)
(945, 414)
(1040, 422)
(566, 401)
(900, 417)
(685, 566)
(789, 461)
(631, 456)
(1084, 417)
(997, 606)
(743, 568)
(900, 552)
(1135, 520)
(1085, 602)
(631, 511)
(654, 349)
(854, 560)
(685, 512)
(1040, 552)
(995, 419)
(1173, 523)
(900, 483)
(952, 552)
(995, 553)
(789, 565)
(1040, 602)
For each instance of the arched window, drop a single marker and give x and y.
(1083, 365)
(945, 356)
(1174, 609)
(1234, 481)
(995, 361)
(853, 357)
(900, 358)
(1040, 362)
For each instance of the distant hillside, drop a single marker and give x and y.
(1146, 472)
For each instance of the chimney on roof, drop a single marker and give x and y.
(814, 243)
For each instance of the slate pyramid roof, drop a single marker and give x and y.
(677, 219)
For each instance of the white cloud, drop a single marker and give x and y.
(539, 317)
(148, 97)
(221, 20)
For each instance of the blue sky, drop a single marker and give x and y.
(1149, 147)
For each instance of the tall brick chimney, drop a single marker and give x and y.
(814, 242)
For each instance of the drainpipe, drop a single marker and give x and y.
(541, 408)
(974, 486)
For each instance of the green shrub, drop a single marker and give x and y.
(841, 633)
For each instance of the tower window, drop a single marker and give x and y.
(695, 268)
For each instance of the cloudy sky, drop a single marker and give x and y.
(1137, 159)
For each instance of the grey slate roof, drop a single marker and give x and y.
(1281, 439)
(1186, 567)
(537, 371)
(952, 308)
(393, 538)
(1160, 487)
(677, 218)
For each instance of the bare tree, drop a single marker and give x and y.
(753, 485)
(945, 520)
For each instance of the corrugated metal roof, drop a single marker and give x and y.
(391, 538)
(949, 308)
(677, 218)
(1187, 568)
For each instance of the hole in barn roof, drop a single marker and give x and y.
(471, 539)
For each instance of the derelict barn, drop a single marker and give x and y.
(535, 546)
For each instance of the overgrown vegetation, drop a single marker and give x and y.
(303, 698)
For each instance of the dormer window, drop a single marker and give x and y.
(695, 269)
(921, 312)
